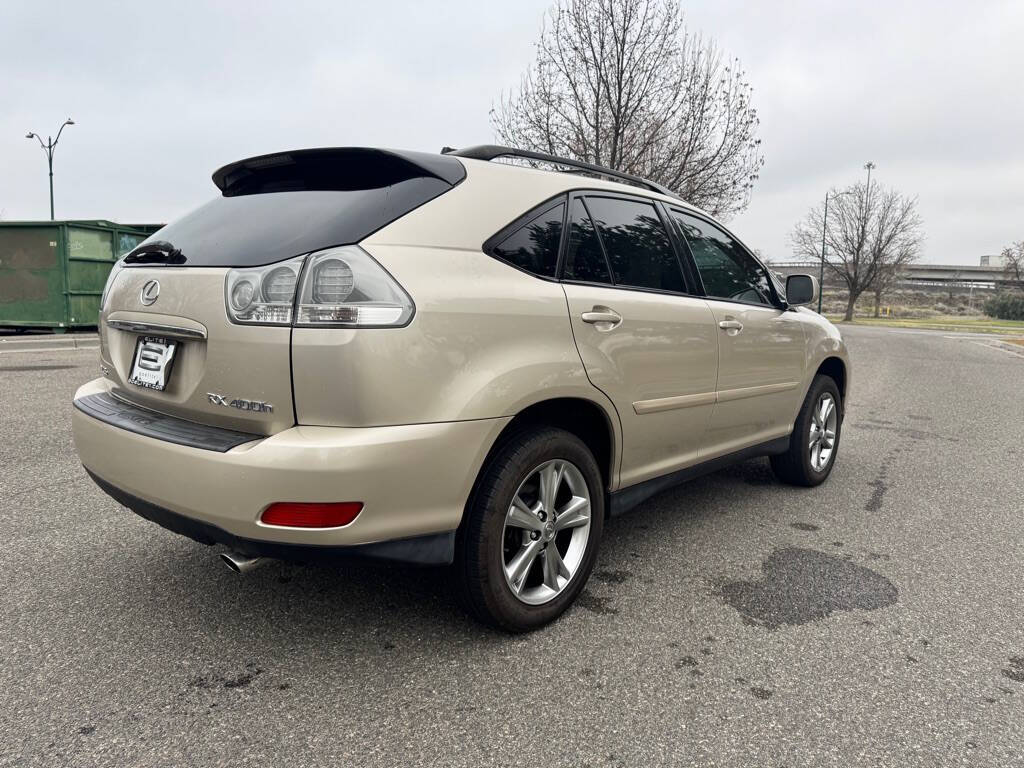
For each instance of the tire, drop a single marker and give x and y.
(488, 542)
(798, 466)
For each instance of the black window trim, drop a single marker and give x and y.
(600, 244)
(776, 301)
(692, 282)
(513, 226)
(690, 273)
(582, 194)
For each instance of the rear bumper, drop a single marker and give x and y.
(432, 549)
(413, 481)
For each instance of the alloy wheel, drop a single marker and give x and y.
(824, 419)
(547, 528)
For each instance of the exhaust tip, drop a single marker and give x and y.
(229, 562)
(240, 563)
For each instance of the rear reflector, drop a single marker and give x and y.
(311, 515)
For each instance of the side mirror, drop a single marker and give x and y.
(801, 290)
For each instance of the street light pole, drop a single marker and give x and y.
(821, 272)
(867, 194)
(48, 147)
(824, 233)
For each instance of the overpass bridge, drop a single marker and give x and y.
(924, 275)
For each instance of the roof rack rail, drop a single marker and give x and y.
(492, 151)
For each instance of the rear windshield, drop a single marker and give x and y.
(269, 214)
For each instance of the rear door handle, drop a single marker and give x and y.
(731, 327)
(604, 318)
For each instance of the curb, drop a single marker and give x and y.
(61, 343)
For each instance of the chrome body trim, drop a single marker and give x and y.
(726, 395)
(707, 398)
(157, 328)
(670, 403)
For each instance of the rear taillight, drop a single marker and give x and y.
(263, 295)
(339, 287)
(311, 515)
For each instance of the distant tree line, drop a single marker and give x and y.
(1005, 306)
(1009, 305)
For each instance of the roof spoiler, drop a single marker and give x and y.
(333, 168)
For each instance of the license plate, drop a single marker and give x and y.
(152, 364)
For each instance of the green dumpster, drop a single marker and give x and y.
(52, 273)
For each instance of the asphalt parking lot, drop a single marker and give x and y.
(877, 620)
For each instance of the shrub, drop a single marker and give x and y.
(1006, 306)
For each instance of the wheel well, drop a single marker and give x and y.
(583, 418)
(833, 367)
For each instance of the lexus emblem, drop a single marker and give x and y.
(150, 292)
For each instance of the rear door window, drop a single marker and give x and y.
(726, 269)
(534, 246)
(637, 243)
(584, 259)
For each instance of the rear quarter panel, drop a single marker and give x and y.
(486, 340)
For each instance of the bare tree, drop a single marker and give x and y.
(622, 83)
(887, 277)
(1013, 261)
(872, 234)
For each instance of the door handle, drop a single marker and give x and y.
(731, 326)
(604, 318)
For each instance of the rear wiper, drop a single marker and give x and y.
(157, 252)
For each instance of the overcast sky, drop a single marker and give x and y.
(162, 94)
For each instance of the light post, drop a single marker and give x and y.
(821, 271)
(48, 148)
(824, 233)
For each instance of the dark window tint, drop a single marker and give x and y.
(728, 272)
(637, 244)
(252, 230)
(534, 246)
(584, 259)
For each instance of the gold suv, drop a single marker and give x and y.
(441, 359)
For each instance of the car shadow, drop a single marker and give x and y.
(362, 608)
